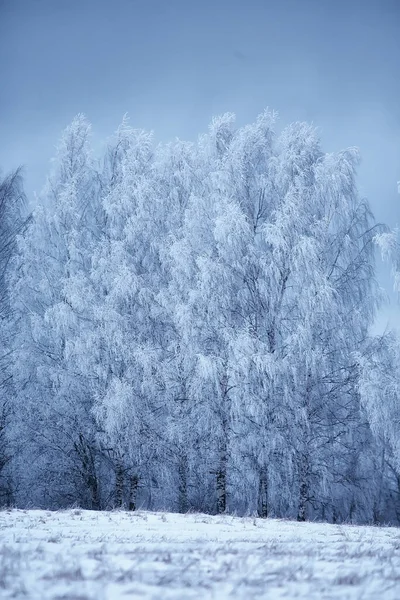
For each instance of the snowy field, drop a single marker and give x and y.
(82, 555)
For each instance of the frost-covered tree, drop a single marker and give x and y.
(179, 179)
(49, 291)
(379, 386)
(210, 299)
(339, 303)
(125, 275)
(194, 328)
(12, 221)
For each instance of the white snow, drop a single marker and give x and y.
(85, 555)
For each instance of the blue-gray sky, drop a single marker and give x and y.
(172, 64)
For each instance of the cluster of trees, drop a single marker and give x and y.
(187, 326)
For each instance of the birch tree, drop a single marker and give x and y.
(125, 270)
(12, 222)
(54, 255)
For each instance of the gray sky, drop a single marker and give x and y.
(173, 64)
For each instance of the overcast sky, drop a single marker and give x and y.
(173, 64)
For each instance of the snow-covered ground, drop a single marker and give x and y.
(82, 555)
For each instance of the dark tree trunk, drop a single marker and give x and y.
(397, 501)
(221, 481)
(86, 453)
(94, 491)
(377, 509)
(119, 484)
(263, 493)
(183, 502)
(133, 491)
(304, 488)
(352, 510)
(334, 515)
(302, 512)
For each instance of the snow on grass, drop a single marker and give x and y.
(84, 555)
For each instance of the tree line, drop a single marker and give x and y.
(187, 326)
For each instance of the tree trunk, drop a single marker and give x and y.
(352, 509)
(263, 493)
(304, 491)
(221, 481)
(119, 484)
(94, 491)
(223, 449)
(301, 515)
(183, 502)
(86, 455)
(133, 490)
(377, 508)
(397, 502)
(93, 480)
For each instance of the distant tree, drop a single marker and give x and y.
(49, 292)
(178, 179)
(12, 221)
(125, 273)
(379, 386)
